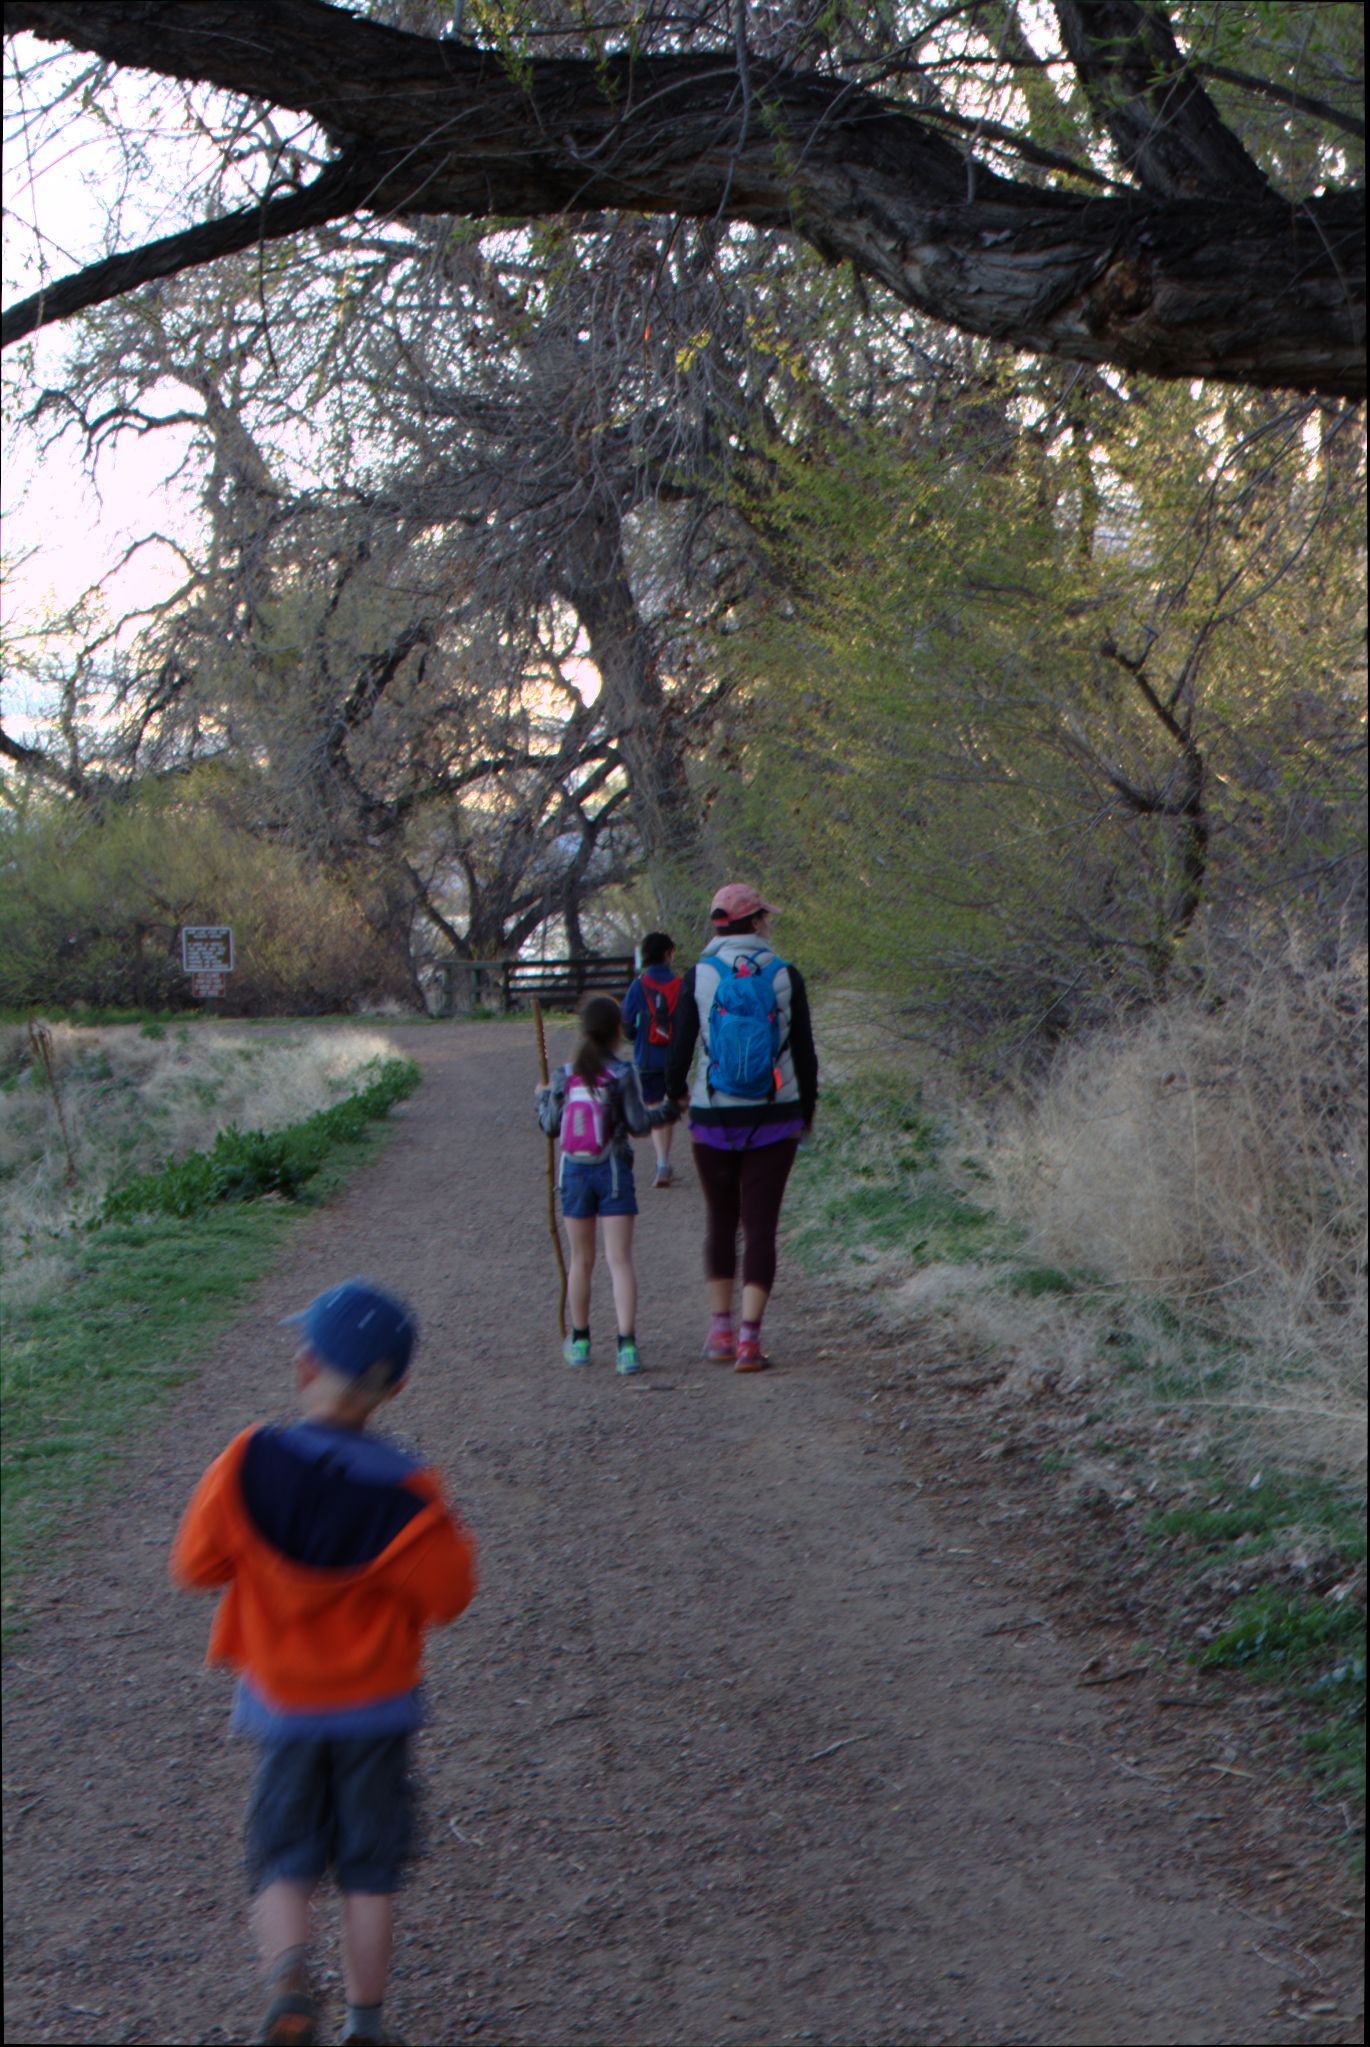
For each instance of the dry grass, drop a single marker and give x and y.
(131, 1102)
(1212, 1157)
(1188, 1189)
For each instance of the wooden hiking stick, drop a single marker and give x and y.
(551, 1176)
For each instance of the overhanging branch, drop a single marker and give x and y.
(335, 193)
(1206, 273)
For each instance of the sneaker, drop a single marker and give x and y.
(291, 2020)
(750, 1356)
(576, 1350)
(720, 1349)
(665, 1173)
(629, 1359)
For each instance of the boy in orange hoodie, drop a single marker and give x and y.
(338, 1551)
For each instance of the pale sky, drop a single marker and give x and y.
(68, 201)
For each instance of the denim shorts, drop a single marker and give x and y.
(345, 1804)
(605, 1189)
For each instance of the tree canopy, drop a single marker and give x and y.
(531, 572)
(1121, 198)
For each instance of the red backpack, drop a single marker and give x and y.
(661, 999)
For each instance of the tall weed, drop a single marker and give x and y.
(1211, 1155)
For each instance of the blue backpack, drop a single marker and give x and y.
(744, 1030)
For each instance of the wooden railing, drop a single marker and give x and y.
(510, 984)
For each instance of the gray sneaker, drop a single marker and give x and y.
(576, 1350)
(665, 1173)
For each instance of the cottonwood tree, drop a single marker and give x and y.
(1139, 215)
(549, 421)
(1036, 722)
(399, 734)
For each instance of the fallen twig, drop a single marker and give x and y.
(1113, 1677)
(834, 1746)
(1160, 1783)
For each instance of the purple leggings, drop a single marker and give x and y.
(745, 1187)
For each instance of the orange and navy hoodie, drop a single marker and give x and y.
(338, 1551)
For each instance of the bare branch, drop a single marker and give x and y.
(332, 196)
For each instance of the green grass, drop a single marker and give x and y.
(1036, 1280)
(87, 1368)
(242, 1165)
(873, 1178)
(1255, 1518)
(95, 1013)
(1286, 1634)
(1315, 1652)
(1194, 1362)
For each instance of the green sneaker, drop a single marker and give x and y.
(629, 1358)
(576, 1350)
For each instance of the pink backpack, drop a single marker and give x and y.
(587, 1120)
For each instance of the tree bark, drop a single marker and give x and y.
(1226, 282)
(637, 711)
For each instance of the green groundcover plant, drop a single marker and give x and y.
(243, 1165)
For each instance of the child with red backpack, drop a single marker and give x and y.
(594, 1103)
(649, 1014)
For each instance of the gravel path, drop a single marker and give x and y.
(740, 1742)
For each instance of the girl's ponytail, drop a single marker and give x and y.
(601, 1029)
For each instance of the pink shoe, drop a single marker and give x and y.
(720, 1346)
(750, 1356)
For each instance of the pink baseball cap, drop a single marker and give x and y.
(736, 899)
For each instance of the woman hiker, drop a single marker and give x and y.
(752, 1098)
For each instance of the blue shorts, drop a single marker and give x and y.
(605, 1189)
(653, 1085)
(340, 1803)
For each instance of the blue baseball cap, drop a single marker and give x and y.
(355, 1326)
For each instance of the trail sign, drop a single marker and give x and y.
(206, 949)
(206, 987)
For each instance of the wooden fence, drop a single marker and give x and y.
(511, 984)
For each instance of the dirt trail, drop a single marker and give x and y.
(740, 1741)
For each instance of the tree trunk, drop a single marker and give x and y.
(637, 710)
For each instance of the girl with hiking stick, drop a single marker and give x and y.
(594, 1103)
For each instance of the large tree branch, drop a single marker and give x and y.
(1144, 92)
(1230, 283)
